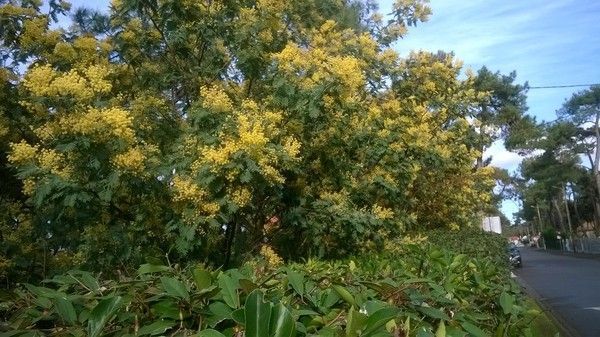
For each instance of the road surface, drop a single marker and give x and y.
(569, 286)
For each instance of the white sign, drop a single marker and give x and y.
(491, 224)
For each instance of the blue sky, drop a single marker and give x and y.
(546, 42)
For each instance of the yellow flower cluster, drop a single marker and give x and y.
(334, 197)
(241, 197)
(290, 58)
(270, 172)
(274, 6)
(65, 52)
(210, 208)
(45, 132)
(45, 81)
(291, 146)
(38, 79)
(96, 75)
(71, 84)
(187, 190)
(217, 156)
(104, 124)
(347, 69)
(29, 186)
(272, 259)
(252, 136)
(215, 99)
(35, 33)
(382, 213)
(132, 160)
(118, 120)
(21, 153)
(53, 162)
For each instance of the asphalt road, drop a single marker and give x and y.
(568, 286)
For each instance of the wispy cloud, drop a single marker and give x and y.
(546, 42)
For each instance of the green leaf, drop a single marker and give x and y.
(441, 330)
(13, 333)
(167, 308)
(210, 333)
(455, 332)
(506, 302)
(65, 309)
(355, 322)
(378, 319)
(434, 313)
(42, 291)
(102, 313)
(202, 278)
(282, 322)
(345, 294)
(175, 287)
(257, 315)
(247, 285)
(220, 312)
(239, 316)
(424, 333)
(151, 268)
(229, 291)
(473, 330)
(296, 281)
(158, 327)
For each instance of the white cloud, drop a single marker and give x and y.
(501, 157)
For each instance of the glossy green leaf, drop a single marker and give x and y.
(65, 309)
(282, 322)
(247, 285)
(202, 278)
(257, 315)
(174, 288)
(441, 330)
(239, 316)
(355, 322)
(220, 312)
(296, 281)
(506, 302)
(344, 294)
(378, 319)
(102, 313)
(434, 313)
(155, 328)
(229, 291)
(474, 330)
(210, 333)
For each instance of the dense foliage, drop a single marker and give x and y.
(559, 184)
(202, 129)
(415, 289)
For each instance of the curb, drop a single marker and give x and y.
(565, 329)
(571, 254)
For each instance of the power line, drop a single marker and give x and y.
(564, 86)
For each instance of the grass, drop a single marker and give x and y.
(543, 325)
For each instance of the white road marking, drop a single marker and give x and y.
(592, 308)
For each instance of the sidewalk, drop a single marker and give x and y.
(566, 253)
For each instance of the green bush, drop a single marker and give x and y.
(550, 240)
(473, 242)
(418, 290)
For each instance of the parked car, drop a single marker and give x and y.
(514, 257)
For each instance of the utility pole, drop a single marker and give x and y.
(568, 215)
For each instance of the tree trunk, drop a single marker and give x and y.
(560, 216)
(595, 172)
